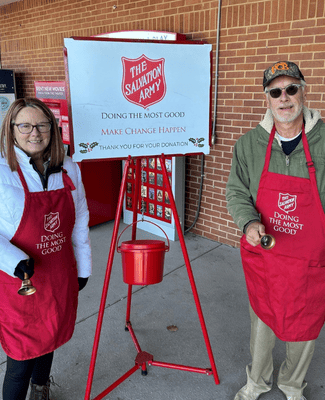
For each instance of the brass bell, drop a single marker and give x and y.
(267, 242)
(26, 287)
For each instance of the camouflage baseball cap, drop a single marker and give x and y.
(281, 68)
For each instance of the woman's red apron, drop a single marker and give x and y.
(286, 284)
(33, 325)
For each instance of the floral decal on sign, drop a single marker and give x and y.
(197, 142)
(87, 147)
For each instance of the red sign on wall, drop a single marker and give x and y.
(53, 94)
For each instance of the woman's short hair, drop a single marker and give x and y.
(55, 150)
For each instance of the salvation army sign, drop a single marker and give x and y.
(138, 98)
(143, 80)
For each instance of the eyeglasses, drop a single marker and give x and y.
(291, 90)
(26, 128)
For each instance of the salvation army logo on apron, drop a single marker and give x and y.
(51, 222)
(287, 202)
(143, 80)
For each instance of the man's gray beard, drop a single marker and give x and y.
(286, 120)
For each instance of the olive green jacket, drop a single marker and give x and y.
(248, 162)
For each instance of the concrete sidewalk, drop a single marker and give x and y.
(221, 287)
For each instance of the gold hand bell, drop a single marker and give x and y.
(26, 287)
(267, 242)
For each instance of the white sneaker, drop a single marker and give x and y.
(248, 393)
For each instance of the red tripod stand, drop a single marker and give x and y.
(143, 358)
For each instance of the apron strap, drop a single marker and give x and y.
(22, 179)
(266, 163)
(67, 180)
(268, 151)
(312, 175)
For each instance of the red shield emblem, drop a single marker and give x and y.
(287, 202)
(51, 222)
(143, 80)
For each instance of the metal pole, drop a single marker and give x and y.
(213, 139)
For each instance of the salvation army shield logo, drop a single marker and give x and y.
(287, 202)
(143, 81)
(51, 222)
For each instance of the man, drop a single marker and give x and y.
(277, 186)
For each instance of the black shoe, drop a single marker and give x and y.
(41, 392)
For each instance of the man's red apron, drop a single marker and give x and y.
(286, 285)
(31, 326)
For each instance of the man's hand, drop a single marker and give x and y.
(254, 232)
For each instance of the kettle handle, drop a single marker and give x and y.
(141, 220)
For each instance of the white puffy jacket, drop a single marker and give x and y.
(12, 199)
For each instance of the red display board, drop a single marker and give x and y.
(155, 201)
(53, 94)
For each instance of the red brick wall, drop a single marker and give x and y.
(253, 35)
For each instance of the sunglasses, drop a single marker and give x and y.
(291, 90)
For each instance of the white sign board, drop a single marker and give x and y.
(146, 35)
(138, 98)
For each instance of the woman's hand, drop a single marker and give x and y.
(25, 266)
(82, 283)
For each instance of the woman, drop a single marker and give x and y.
(44, 234)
